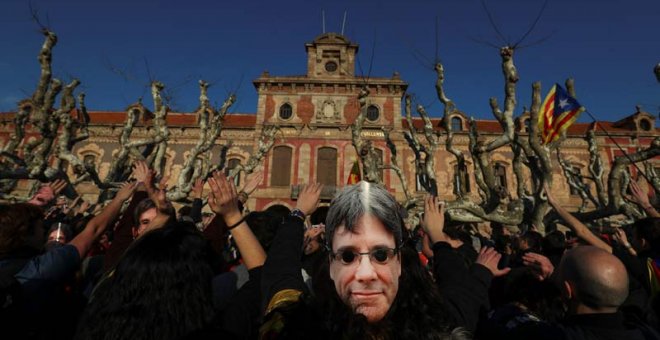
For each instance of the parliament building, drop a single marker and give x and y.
(315, 111)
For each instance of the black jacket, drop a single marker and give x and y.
(464, 293)
(612, 326)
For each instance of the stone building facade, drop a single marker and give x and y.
(315, 112)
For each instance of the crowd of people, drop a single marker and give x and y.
(135, 268)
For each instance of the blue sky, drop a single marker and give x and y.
(610, 47)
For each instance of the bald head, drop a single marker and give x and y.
(598, 279)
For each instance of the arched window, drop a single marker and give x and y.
(461, 180)
(526, 125)
(326, 166)
(456, 124)
(286, 111)
(500, 175)
(231, 164)
(373, 113)
(280, 173)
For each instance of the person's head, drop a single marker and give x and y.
(144, 212)
(592, 280)
(184, 213)
(319, 215)
(61, 201)
(364, 235)
(263, 224)
(161, 289)
(21, 227)
(60, 233)
(554, 244)
(646, 233)
(278, 210)
(531, 241)
(314, 239)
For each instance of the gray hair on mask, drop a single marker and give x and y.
(361, 199)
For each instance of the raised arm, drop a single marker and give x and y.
(197, 205)
(434, 220)
(251, 184)
(578, 227)
(97, 225)
(223, 200)
(639, 197)
(164, 208)
(282, 270)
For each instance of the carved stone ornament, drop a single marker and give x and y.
(327, 111)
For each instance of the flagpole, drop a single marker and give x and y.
(639, 171)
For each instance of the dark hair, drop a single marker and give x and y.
(534, 241)
(17, 224)
(141, 207)
(319, 215)
(540, 297)
(278, 210)
(161, 289)
(64, 229)
(554, 243)
(184, 211)
(417, 312)
(649, 230)
(460, 231)
(361, 199)
(264, 226)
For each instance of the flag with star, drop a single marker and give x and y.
(354, 176)
(558, 111)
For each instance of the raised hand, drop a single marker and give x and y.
(253, 181)
(159, 195)
(489, 258)
(83, 207)
(434, 219)
(223, 198)
(312, 233)
(638, 196)
(75, 201)
(126, 190)
(142, 173)
(198, 188)
(309, 198)
(540, 264)
(58, 185)
(43, 196)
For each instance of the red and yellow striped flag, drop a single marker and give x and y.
(354, 176)
(558, 112)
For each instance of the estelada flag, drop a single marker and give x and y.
(558, 112)
(354, 176)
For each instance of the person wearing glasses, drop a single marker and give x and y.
(372, 286)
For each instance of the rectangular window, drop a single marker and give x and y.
(326, 166)
(281, 168)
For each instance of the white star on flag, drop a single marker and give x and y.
(563, 103)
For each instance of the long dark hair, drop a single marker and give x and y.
(416, 313)
(161, 289)
(17, 223)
